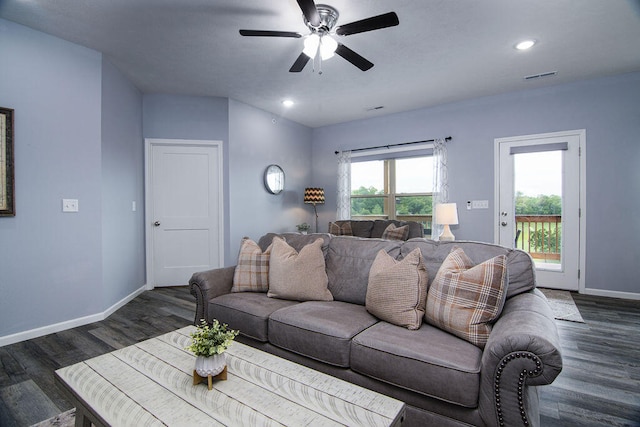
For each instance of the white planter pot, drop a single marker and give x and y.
(211, 365)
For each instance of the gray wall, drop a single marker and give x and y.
(51, 262)
(258, 139)
(123, 251)
(252, 140)
(609, 110)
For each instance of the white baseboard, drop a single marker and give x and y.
(611, 294)
(68, 324)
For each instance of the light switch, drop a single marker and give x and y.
(69, 205)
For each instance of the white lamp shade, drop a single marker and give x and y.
(446, 213)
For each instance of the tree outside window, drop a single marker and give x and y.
(398, 189)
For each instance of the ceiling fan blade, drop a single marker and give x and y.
(374, 23)
(267, 33)
(353, 57)
(299, 64)
(310, 12)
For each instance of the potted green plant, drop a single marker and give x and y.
(303, 228)
(208, 344)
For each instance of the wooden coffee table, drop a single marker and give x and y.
(151, 383)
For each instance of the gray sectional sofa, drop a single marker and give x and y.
(443, 379)
(375, 228)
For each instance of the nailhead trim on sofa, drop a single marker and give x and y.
(523, 375)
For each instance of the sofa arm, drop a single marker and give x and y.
(209, 284)
(523, 350)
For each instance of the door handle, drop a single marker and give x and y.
(157, 223)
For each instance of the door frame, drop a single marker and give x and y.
(581, 134)
(149, 143)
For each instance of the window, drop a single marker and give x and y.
(393, 189)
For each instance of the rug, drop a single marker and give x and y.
(562, 305)
(65, 419)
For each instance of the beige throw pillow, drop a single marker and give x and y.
(396, 233)
(465, 299)
(252, 271)
(397, 290)
(298, 276)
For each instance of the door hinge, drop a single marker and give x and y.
(578, 273)
(579, 151)
(579, 212)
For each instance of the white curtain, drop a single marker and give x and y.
(344, 186)
(440, 182)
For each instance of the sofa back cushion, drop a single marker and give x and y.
(349, 260)
(520, 268)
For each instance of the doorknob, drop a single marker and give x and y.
(503, 223)
(157, 223)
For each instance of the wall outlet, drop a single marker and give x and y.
(69, 205)
(480, 204)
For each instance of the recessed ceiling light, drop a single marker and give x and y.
(287, 103)
(525, 44)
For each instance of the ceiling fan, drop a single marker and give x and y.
(321, 20)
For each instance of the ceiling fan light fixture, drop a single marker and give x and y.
(311, 44)
(328, 47)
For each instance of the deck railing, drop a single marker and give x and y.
(540, 235)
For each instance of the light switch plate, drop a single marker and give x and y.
(69, 205)
(480, 204)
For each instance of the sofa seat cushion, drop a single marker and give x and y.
(428, 361)
(321, 330)
(247, 312)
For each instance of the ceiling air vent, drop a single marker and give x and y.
(538, 76)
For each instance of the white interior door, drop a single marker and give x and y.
(184, 209)
(538, 203)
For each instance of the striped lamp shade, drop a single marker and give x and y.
(314, 195)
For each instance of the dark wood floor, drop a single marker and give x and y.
(599, 385)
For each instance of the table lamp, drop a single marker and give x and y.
(447, 214)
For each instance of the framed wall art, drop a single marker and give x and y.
(7, 197)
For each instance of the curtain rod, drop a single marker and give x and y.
(394, 145)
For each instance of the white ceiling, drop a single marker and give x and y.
(442, 51)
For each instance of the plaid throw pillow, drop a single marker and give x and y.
(252, 271)
(396, 233)
(397, 290)
(337, 230)
(465, 299)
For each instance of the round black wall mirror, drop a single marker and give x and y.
(274, 179)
